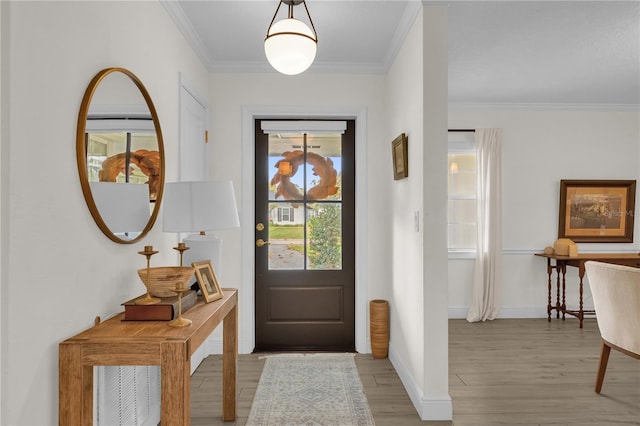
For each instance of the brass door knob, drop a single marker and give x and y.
(260, 242)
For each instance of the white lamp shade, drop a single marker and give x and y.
(287, 49)
(124, 207)
(199, 206)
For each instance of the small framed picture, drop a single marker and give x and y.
(400, 158)
(207, 281)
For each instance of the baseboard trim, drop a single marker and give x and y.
(460, 312)
(428, 408)
(437, 409)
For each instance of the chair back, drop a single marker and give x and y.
(616, 298)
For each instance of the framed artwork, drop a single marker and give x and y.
(597, 211)
(400, 157)
(207, 281)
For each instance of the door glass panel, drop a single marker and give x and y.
(286, 155)
(323, 166)
(286, 235)
(305, 231)
(324, 231)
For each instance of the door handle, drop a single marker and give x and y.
(260, 242)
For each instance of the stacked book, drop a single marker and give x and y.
(165, 310)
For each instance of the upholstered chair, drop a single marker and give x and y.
(616, 298)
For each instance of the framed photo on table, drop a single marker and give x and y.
(207, 281)
(597, 211)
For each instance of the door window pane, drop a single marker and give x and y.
(286, 155)
(324, 230)
(286, 235)
(324, 167)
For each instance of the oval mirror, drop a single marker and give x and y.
(120, 155)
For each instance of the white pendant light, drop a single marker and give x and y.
(290, 45)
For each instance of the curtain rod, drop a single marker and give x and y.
(463, 130)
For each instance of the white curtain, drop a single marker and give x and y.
(487, 279)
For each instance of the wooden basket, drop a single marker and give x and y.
(162, 280)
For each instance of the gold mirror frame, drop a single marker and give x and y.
(81, 154)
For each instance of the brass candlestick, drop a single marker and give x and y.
(181, 248)
(147, 299)
(180, 321)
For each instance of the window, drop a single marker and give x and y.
(285, 214)
(462, 178)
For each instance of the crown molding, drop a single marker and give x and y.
(543, 106)
(317, 68)
(406, 21)
(175, 12)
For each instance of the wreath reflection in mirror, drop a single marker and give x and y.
(148, 162)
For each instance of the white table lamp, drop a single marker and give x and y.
(200, 207)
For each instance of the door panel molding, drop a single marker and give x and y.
(287, 309)
(247, 215)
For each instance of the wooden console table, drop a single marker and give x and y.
(561, 263)
(117, 342)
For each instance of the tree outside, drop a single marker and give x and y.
(325, 229)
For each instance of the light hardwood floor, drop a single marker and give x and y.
(502, 372)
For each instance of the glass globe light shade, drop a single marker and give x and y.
(287, 49)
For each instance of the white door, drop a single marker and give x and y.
(193, 167)
(193, 139)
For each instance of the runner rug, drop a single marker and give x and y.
(310, 390)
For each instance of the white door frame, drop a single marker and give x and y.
(247, 214)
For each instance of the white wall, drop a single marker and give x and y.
(303, 96)
(58, 270)
(436, 403)
(417, 99)
(541, 147)
(405, 111)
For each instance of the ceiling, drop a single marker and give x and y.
(582, 53)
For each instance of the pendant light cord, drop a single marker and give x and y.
(310, 20)
(290, 16)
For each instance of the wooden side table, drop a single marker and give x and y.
(561, 263)
(117, 342)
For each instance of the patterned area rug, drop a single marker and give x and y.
(310, 390)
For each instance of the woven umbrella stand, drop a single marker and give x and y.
(379, 327)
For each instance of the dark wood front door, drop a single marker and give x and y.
(305, 239)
